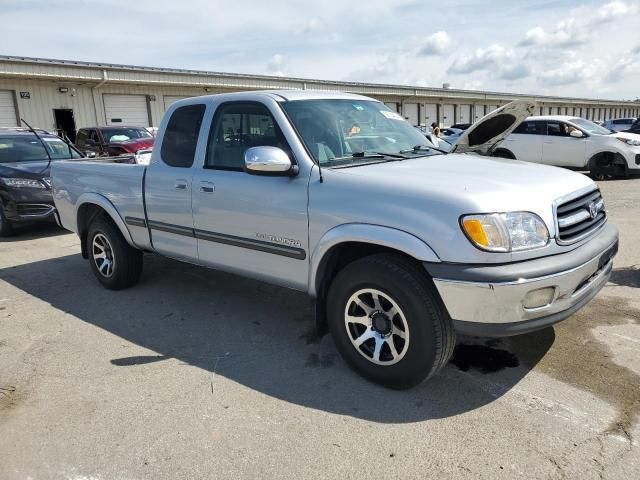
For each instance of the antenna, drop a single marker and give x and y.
(44, 145)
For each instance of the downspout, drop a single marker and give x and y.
(93, 93)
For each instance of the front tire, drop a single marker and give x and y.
(388, 321)
(115, 263)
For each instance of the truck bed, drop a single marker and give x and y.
(120, 184)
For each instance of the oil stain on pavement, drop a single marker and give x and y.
(575, 357)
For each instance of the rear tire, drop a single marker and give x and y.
(388, 321)
(115, 263)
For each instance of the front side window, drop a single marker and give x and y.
(181, 136)
(238, 127)
(334, 130)
(27, 148)
(81, 138)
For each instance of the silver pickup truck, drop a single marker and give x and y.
(400, 245)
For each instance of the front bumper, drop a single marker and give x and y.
(490, 300)
(26, 205)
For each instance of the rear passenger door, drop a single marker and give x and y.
(250, 224)
(526, 141)
(168, 185)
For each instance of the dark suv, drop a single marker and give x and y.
(25, 184)
(113, 141)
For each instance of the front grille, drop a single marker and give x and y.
(33, 209)
(578, 218)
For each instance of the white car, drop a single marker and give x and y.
(619, 124)
(573, 143)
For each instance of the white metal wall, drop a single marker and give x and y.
(169, 99)
(8, 117)
(392, 105)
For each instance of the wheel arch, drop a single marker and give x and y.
(90, 206)
(611, 159)
(348, 242)
(503, 153)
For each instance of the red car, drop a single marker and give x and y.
(113, 141)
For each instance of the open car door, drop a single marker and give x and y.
(484, 135)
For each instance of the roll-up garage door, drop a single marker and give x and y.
(464, 114)
(430, 113)
(411, 113)
(126, 110)
(392, 105)
(447, 115)
(169, 99)
(8, 117)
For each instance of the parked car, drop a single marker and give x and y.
(400, 245)
(25, 184)
(619, 124)
(635, 127)
(574, 143)
(450, 135)
(112, 141)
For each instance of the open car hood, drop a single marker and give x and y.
(486, 133)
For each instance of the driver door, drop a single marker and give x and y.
(250, 224)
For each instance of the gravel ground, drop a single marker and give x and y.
(201, 374)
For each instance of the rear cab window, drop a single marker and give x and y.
(181, 136)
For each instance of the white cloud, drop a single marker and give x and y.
(481, 59)
(312, 25)
(435, 44)
(577, 30)
(276, 65)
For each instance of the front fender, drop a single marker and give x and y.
(365, 233)
(107, 206)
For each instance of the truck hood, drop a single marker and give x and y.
(486, 184)
(486, 133)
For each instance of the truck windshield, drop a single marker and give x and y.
(334, 130)
(27, 148)
(119, 135)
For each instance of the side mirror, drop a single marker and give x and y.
(271, 161)
(576, 134)
(90, 154)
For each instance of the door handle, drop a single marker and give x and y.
(180, 184)
(207, 187)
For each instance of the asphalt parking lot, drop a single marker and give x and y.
(200, 374)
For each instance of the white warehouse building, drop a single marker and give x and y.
(64, 95)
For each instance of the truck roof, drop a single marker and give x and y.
(288, 95)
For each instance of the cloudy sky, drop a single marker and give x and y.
(558, 47)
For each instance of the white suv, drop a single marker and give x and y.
(574, 143)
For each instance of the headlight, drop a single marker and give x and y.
(629, 141)
(23, 183)
(505, 232)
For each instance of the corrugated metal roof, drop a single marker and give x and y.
(57, 68)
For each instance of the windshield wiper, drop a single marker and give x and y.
(419, 148)
(378, 155)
